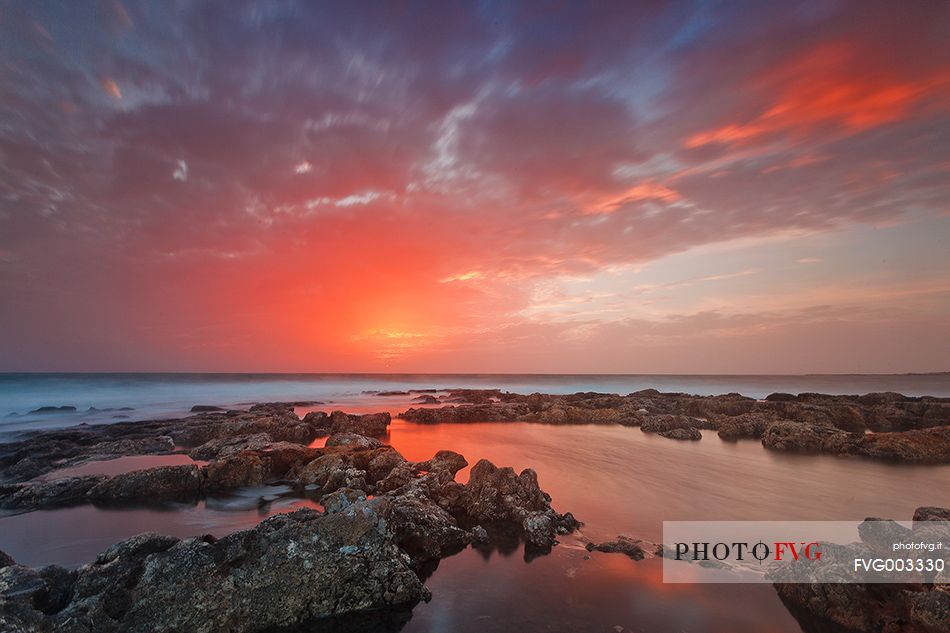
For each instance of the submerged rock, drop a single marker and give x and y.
(633, 548)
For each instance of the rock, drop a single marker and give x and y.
(204, 408)
(370, 425)
(479, 535)
(799, 437)
(923, 446)
(746, 425)
(633, 548)
(823, 606)
(495, 412)
(353, 440)
(53, 409)
(6, 559)
(331, 472)
(781, 397)
(290, 570)
(392, 393)
(444, 461)
(931, 513)
(499, 496)
(244, 469)
(152, 483)
(45, 494)
(422, 528)
(227, 446)
(382, 464)
(160, 445)
(342, 499)
(682, 434)
(665, 423)
(426, 399)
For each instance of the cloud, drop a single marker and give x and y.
(181, 171)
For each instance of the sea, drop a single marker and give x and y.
(105, 397)
(617, 480)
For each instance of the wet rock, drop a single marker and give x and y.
(925, 446)
(865, 608)
(746, 425)
(342, 499)
(426, 399)
(931, 513)
(400, 475)
(444, 461)
(682, 434)
(799, 437)
(160, 445)
(331, 472)
(46, 494)
(381, 465)
(422, 528)
(163, 482)
(499, 496)
(204, 408)
(289, 571)
(666, 423)
(227, 446)
(54, 409)
(352, 440)
(495, 412)
(370, 425)
(633, 548)
(6, 559)
(243, 469)
(392, 393)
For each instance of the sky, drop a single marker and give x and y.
(558, 187)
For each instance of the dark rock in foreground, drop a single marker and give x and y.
(290, 570)
(869, 608)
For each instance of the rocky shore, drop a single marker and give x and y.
(386, 522)
(887, 426)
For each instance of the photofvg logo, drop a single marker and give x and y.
(870, 551)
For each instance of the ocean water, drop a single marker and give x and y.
(618, 480)
(115, 397)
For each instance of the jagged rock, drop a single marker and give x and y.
(633, 548)
(931, 513)
(665, 423)
(6, 559)
(400, 475)
(244, 469)
(382, 465)
(821, 606)
(444, 461)
(497, 496)
(352, 440)
(682, 434)
(925, 446)
(331, 472)
(288, 571)
(152, 483)
(45, 494)
(799, 437)
(370, 425)
(746, 425)
(342, 499)
(422, 528)
(227, 446)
